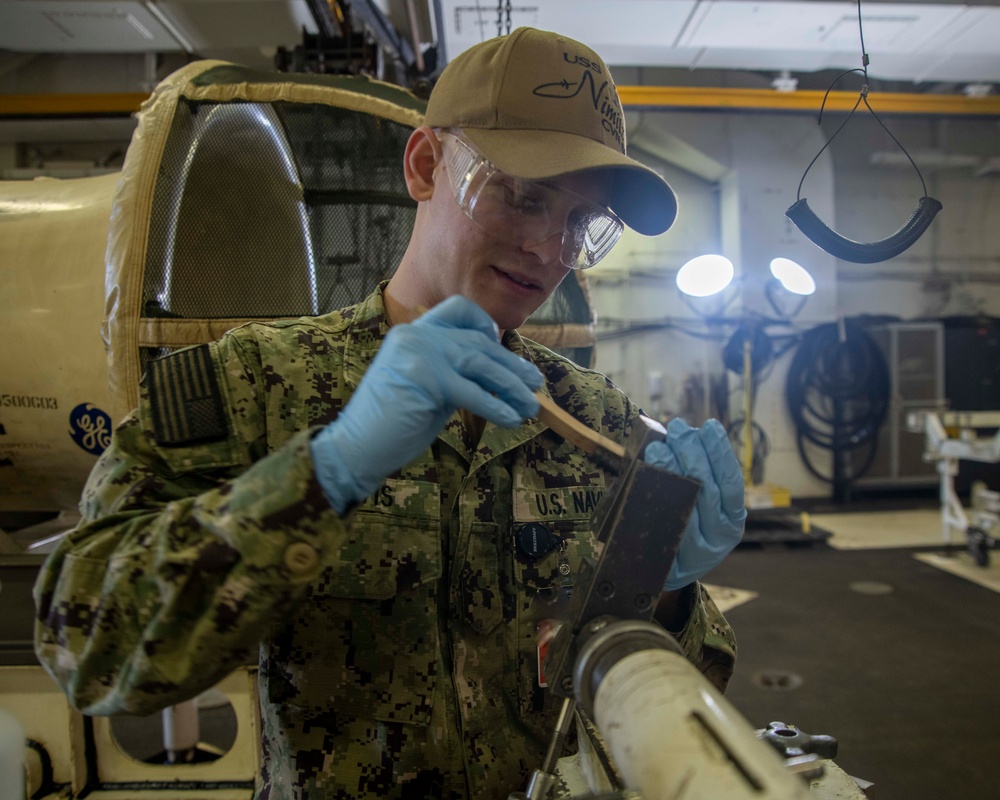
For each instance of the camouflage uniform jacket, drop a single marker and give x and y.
(396, 648)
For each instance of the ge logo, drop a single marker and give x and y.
(90, 428)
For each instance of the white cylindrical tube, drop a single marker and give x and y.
(673, 735)
(181, 730)
(12, 752)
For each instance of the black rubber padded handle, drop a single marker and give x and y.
(860, 253)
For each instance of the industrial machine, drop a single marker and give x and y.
(665, 731)
(950, 437)
(241, 198)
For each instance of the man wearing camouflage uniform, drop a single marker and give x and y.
(342, 498)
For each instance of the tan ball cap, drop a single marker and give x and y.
(539, 105)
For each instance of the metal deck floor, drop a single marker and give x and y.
(880, 639)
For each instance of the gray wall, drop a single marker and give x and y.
(735, 175)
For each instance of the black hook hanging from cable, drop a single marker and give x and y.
(826, 238)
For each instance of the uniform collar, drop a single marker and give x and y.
(495, 440)
(365, 334)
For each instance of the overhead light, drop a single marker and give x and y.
(793, 277)
(705, 275)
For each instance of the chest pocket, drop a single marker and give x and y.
(365, 640)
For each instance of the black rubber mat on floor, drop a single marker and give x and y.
(905, 680)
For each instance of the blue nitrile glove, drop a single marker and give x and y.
(447, 359)
(716, 524)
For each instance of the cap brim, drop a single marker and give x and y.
(641, 197)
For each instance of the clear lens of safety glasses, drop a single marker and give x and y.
(525, 212)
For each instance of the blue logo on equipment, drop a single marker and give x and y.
(90, 428)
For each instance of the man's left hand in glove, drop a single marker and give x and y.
(716, 524)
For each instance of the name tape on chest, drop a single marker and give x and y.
(571, 502)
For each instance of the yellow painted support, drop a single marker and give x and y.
(70, 105)
(806, 101)
(692, 98)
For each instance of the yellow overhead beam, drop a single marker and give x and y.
(806, 101)
(666, 97)
(69, 105)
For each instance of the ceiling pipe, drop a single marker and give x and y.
(439, 37)
(418, 56)
(323, 16)
(384, 31)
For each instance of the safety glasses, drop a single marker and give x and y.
(526, 213)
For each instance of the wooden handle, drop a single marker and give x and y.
(562, 422)
(571, 429)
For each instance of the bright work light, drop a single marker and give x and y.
(705, 275)
(793, 277)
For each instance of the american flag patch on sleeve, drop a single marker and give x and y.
(185, 399)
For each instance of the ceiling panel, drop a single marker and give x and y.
(932, 42)
(975, 30)
(613, 29)
(211, 24)
(59, 26)
(819, 27)
(903, 40)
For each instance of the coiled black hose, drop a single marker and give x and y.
(837, 393)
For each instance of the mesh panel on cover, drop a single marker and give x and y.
(270, 201)
(274, 209)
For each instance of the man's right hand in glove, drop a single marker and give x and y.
(447, 359)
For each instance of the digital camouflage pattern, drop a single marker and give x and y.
(396, 646)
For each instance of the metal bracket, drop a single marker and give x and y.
(640, 521)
